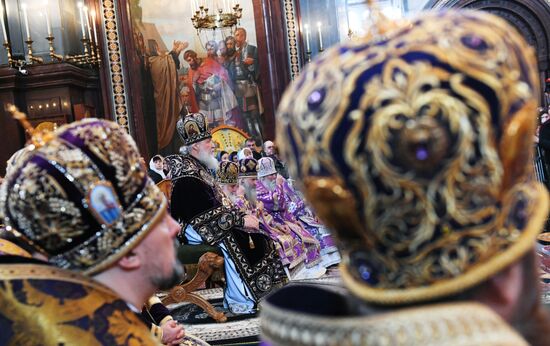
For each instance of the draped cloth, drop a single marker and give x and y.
(164, 75)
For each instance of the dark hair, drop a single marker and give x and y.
(189, 53)
(233, 155)
(220, 154)
(157, 158)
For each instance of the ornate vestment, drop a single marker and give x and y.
(287, 243)
(199, 202)
(301, 211)
(278, 208)
(44, 305)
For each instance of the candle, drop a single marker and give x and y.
(308, 46)
(87, 19)
(320, 36)
(26, 19)
(48, 23)
(95, 28)
(81, 20)
(4, 30)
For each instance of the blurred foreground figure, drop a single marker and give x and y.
(414, 146)
(93, 224)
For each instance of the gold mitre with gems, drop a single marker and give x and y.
(227, 172)
(193, 128)
(248, 168)
(80, 196)
(414, 147)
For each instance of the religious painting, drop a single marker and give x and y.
(212, 69)
(103, 203)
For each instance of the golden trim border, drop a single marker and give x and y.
(28, 271)
(116, 81)
(292, 34)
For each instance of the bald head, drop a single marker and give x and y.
(269, 148)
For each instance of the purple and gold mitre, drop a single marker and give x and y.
(414, 148)
(193, 128)
(83, 199)
(266, 166)
(248, 168)
(227, 172)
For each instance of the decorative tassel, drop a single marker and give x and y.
(251, 242)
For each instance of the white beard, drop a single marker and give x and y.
(206, 158)
(232, 197)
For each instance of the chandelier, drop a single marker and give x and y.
(212, 15)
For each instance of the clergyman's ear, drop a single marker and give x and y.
(129, 261)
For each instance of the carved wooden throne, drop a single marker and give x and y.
(208, 263)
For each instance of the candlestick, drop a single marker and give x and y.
(320, 36)
(53, 55)
(8, 51)
(86, 56)
(308, 46)
(81, 20)
(48, 23)
(4, 30)
(30, 57)
(26, 19)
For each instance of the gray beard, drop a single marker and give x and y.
(250, 194)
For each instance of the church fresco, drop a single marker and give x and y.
(186, 70)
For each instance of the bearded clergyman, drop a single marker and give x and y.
(252, 265)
